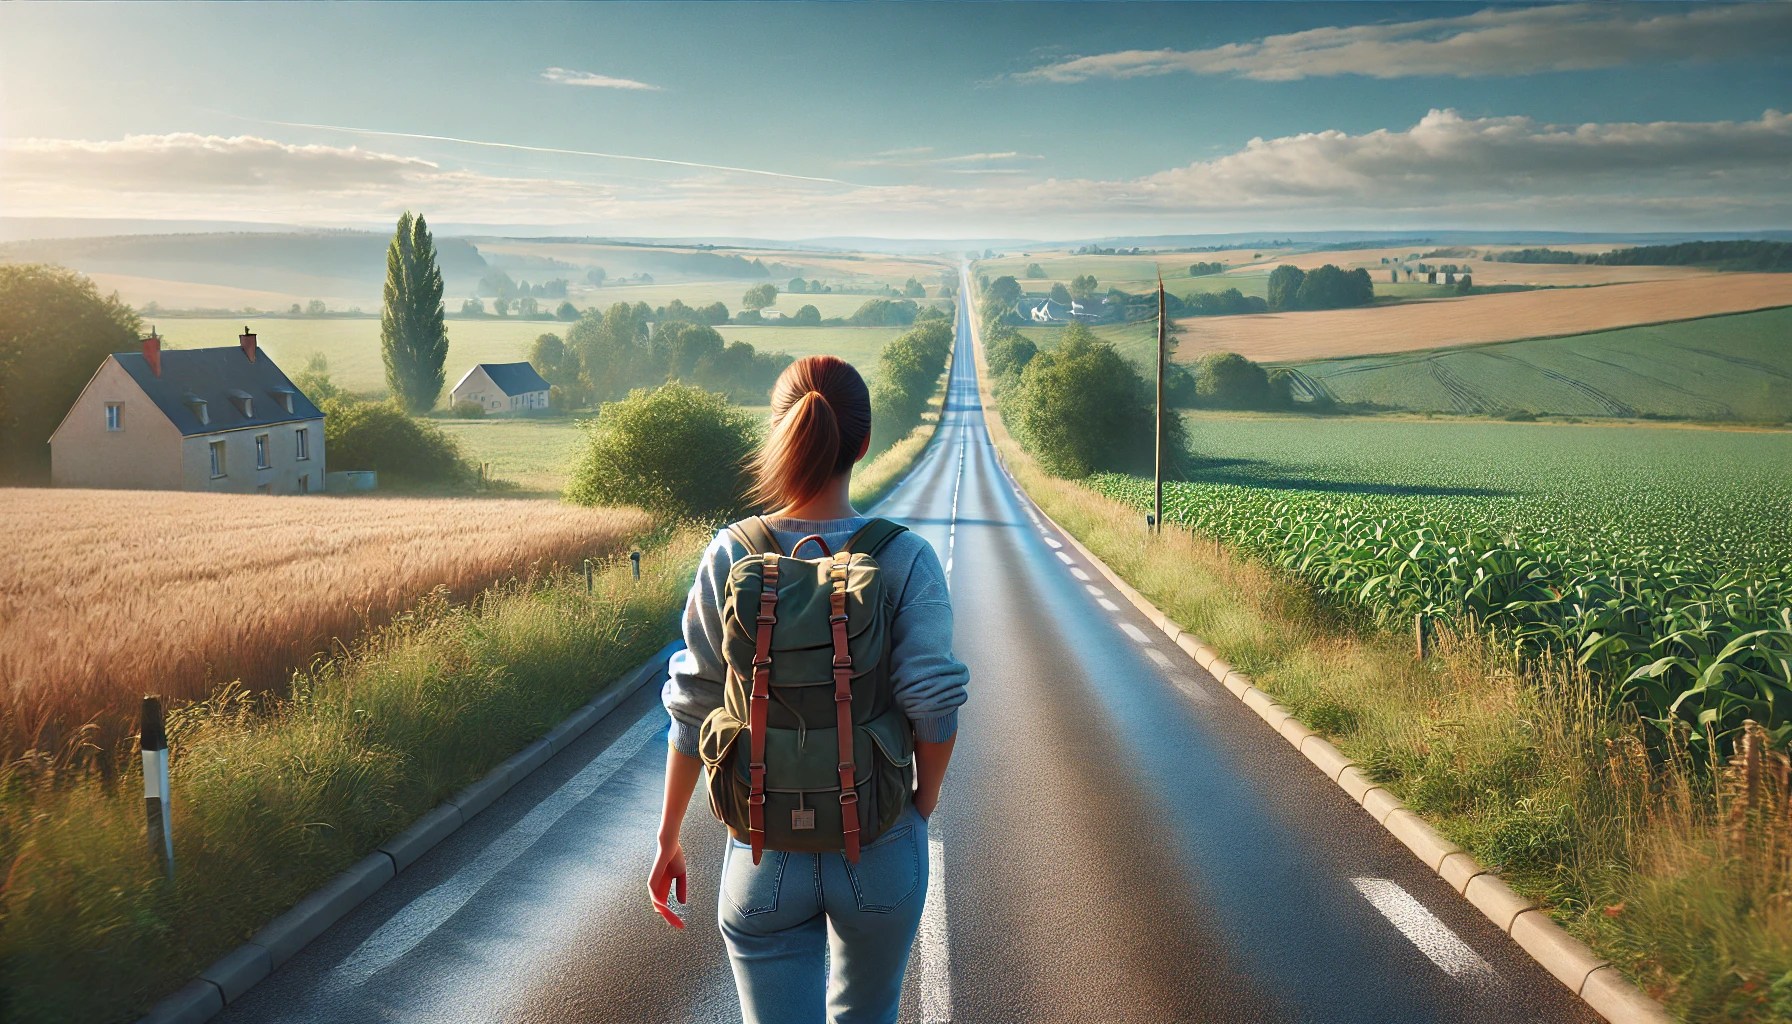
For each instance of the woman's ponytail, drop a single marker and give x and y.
(821, 416)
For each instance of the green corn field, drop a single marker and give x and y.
(1661, 560)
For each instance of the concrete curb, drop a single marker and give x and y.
(1596, 982)
(225, 981)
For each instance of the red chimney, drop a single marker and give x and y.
(248, 341)
(152, 353)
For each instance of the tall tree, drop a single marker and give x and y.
(413, 334)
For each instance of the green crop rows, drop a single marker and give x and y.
(1660, 559)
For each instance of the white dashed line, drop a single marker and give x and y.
(1162, 659)
(1434, 938)
(1062, 557)
(1135, 632)
(1093, 589)
(1191, 689)
(1109, 605)
(1079, 574)
(1053, 543)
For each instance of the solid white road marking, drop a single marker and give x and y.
(1109, 605)
(1135, 632)
(1420, 926)
(1062, 557)
(931, 942)
(1162, 659)
(1079, 574)
(423, 915)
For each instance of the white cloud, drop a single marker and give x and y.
(1496, 41)
(1446, 170)
(918, 157)
(590, 79)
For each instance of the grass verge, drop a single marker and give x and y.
(275, 794)
(1676, 873)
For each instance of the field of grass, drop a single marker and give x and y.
(273, 796)
(1717, 368)
(533, 452)
(353, 346)
(1410, 327)
(110, 595)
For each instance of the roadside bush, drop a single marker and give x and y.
(677, 451)
(1081, 407)
(1008, 352)
(467, 409)
(1227, 380)
(381, 436)
(884, 313)
(907, 371)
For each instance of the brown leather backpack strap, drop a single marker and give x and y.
(759, 703)
(849, 794)
(756, 535)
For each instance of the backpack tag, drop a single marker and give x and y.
(802, 818)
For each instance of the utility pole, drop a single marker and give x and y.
(1157, 468)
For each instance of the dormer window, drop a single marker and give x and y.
(197, 405)
(283, 396)
(244, 403)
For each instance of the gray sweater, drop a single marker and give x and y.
(929, 683)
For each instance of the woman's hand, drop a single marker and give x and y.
(930, 772)
(668, 868)
(926, 802)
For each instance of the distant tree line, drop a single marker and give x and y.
(1327, 287)
(605, 355)
(1204, 269)
(1727, 255)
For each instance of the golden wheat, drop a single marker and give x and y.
(1437, 323)
(107, 595)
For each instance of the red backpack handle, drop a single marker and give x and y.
(816, 537)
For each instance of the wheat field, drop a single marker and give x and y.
(108, 595)
(1438, 323)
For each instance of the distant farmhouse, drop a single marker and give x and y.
(204, 419)
(1048, 311)
(503, 387)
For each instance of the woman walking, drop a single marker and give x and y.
(819, 688)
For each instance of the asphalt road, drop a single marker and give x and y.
(1120, 840)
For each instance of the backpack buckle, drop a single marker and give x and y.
(762, 662)
(765, 619)
(842, 661)
(849, 796)
(837, 618)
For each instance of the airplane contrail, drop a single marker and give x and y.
(565, 152)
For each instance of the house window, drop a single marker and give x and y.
(114, 416)
(261, 451)
(217, 459)
(304, 436)
(304, 483)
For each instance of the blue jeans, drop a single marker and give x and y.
(789, 918)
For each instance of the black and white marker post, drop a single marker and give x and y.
(152, 739)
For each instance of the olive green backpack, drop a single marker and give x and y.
(808, 752)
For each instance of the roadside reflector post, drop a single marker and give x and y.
(152, 739)
(1418, 635)
(587, 575)
(1150, 522)
(635, 558)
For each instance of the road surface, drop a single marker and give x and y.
(1120, 840)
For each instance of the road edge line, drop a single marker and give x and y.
(237, 972)
(1567, 959)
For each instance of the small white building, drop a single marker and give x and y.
(503, 388)
(204, 419)
(771, 314)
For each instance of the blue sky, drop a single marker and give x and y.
(932, 119)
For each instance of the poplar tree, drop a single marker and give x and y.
(413, 334)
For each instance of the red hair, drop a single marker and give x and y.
(821, 417)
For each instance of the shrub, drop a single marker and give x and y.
(908, 368)
(1008, 352)
(884, 313)
(467, 409)
(676, 450)
(380, 436)
(1227, 380)
(1082, 407)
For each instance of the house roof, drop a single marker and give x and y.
(511, 378)
(218, 377)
